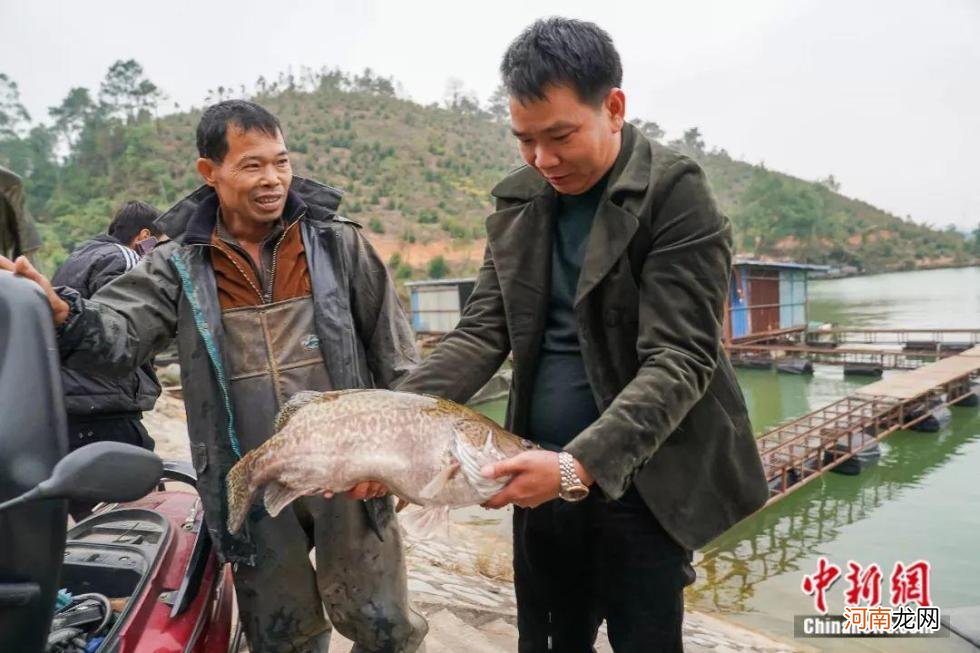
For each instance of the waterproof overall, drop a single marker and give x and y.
(272, 353)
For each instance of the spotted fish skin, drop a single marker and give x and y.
(428, 451)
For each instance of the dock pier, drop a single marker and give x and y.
(800, 450)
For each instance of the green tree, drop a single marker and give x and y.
(693, 142)
(459, 99)
(830, 182)
(649, 129)
(127, 93)
(72, 114)
(13, 116)
(438, 268)
(498, 106)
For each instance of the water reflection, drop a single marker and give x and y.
(778, 539)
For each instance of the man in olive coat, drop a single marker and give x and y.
(605, 275)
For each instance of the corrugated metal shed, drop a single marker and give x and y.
(767, 296)
(436, 304)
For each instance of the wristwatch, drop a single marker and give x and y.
(572, 488)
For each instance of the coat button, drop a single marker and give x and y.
(612, 317)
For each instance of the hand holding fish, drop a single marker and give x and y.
(535, 479)
(367, 490)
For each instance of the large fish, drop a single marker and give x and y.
(428, 451)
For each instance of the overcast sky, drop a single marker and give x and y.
(883, 94)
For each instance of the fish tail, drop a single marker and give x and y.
(240, 492)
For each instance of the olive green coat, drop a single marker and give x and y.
(649, 308)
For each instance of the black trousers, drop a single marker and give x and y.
(576, 564)
(87, 429)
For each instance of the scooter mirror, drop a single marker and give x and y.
(101, 471)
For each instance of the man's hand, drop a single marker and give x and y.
(23, 268)
(364, 490)
(536, 479)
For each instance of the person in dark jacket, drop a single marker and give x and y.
(605, 275)
(104, 408)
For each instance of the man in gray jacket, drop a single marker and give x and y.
(101, 408)
(268, 291)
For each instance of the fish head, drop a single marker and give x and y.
(486, 442)
(480, 442)
(509, 444)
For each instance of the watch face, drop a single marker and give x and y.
(575, 493)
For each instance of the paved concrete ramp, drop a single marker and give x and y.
(965, 622)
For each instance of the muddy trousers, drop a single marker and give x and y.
(576, 564)
(359, 579)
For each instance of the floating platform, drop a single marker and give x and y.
(793, 365)
(863, 369)
(752, 362)
(851, 428)
(971, 398)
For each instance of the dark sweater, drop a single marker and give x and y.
(562, 404)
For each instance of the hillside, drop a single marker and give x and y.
(418, 179)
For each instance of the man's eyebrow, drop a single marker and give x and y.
(559, 126)
(256, 157)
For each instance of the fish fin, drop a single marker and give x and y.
(304, 398)
(278, 496)
(436, 485)
(238, 487)
(401, 504)
(295, 402)
(426, 522)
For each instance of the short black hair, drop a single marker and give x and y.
(131, 218)
(212, 130)
(562, 51)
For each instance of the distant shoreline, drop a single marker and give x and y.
(941, 266)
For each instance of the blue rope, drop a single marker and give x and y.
(209, 344)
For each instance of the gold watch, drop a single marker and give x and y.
(571, 488)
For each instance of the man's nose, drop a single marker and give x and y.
(270, 176)
(544, 158)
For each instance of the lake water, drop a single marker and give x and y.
(920, 502)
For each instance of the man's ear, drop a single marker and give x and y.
(206, 168)
(615, 104)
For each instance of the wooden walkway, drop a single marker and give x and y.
(924, 379)
(799, 451)
(904, 349)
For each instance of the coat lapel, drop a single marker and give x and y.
(612, 230)
(616, 218)
(520, 240)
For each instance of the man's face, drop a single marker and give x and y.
(572, 144)
(253, 178)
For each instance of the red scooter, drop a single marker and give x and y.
(139, 575)
(153, 559)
